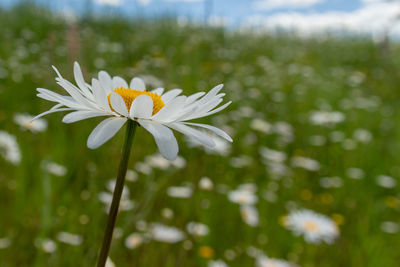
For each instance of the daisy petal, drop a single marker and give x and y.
(191, 132)
(105, 81)
(168, 96)
(118, 104)
(104, 131)
(194, 97)
(100, 95)
(142, 107)
(80, 81)
(51, 111)
(158, 91)
(164, 137)
(170, 110)
(81, 115)
(137, 84)
(119, 82)
(216, 130)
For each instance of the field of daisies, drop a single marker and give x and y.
(310, 179)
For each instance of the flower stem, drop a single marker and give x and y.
(119, 186)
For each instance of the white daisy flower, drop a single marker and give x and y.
(314, 226)
(197, 229)
(206, 183)
(217, 263)
(264, 261)
(54, 168)
(249, 215)
(68, 238)
(9, 148)
(159, 162)
(180, 191)
(133, 240)
(167, 234)
(156, 111)
(25, 121)
(46, 244)
(243, 197)
(305, 163)
(5, 242)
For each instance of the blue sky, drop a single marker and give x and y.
(235, 10)
(306, 16)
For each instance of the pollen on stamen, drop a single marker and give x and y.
(311, 226)
(128, 95)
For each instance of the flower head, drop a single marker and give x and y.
(314, 226)
(156, 111)
(25, 121)
(9, 148)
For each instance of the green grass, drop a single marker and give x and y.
(281, 78)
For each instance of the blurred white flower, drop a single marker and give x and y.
(249, 215)
(243, 197)
(5, 242)
(131, 176)
(110, 185)
(272, 155)
(314, 226)
(133, 240)
(167, 234)
(362, 135)
(386, 181)
(167, 213)
(143, 168)
(25, 121)
(206, 183)
(197, 229)
(46, 244)
(159, 162)
(180, 191)
(305, 163)
(9, 148)
(355, 173)
(390, 227)
(331, 182)
(264, 261)
(54, 168)
(68, 238)
(285, 131)
(217, 263)
(109, 262)
(106, 197)
(251, 187)
(261, 126)
(326, 118)
(49, 245)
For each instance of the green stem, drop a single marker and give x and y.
(119, 186)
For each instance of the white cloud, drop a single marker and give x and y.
(109, 2)
(372, 18)
(143, 2)
(275, 4)
(186, 1)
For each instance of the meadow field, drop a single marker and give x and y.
(315, 125)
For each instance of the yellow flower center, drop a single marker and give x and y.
(128, 95)
(311, 226)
